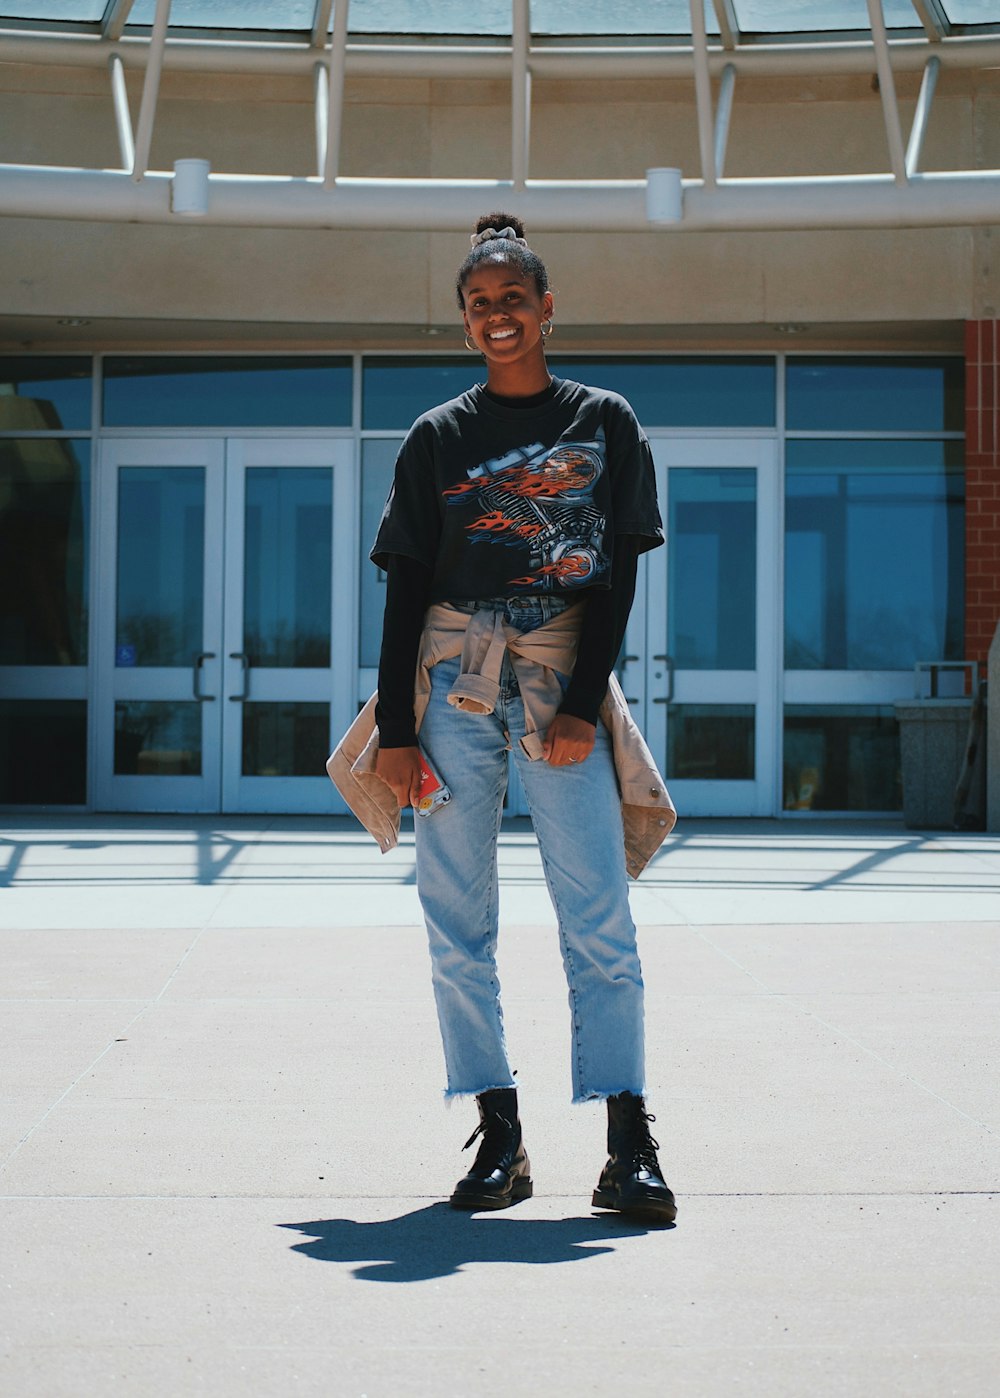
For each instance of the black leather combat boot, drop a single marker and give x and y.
(631, 1181)
(501, 1173)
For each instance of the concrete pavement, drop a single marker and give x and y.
(224, 1146)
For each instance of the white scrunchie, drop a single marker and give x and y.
(489, 234)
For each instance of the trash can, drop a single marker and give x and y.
(932, 740)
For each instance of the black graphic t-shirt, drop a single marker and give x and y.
(505, 501)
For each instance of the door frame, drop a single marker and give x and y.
(651, 684)
(220, 789)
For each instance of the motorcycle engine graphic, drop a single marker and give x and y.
(546, 495)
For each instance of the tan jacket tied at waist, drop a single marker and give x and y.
(538, 657)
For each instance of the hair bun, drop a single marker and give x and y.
(500, 220)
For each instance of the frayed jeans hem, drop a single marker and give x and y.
(453, 1094)
(582, 1098)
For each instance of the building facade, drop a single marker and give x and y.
(199, 415)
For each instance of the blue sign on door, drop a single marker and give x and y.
(124, 655)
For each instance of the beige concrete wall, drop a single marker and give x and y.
(268, 281)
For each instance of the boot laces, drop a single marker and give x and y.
(487, 1129)
(646, 1146)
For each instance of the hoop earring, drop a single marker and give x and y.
(469, 345)
(546, 329)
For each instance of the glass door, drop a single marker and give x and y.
(701, 658)
(289, 621)
(226, 599)
(159, 628)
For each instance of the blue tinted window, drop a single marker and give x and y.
(711, 555)
(875, 395)
(874, 554)
(396, 391)
(377, 460)
(40, 393)
(230, 391)
(44, 550)
(841, 757)
(287, 561)
(709, 392)
(43, 752)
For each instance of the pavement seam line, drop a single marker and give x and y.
(789, 999)
(150, 1004)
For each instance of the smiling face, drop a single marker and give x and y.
(504, 312)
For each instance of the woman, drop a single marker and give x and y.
(517, 515)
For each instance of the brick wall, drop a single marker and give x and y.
(982, 501)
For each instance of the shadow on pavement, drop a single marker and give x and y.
(438, 1241)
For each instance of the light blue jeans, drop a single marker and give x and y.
(576, 813)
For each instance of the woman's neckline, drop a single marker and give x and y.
(531, 400)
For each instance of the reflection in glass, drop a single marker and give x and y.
(43, 752)
(841, 758)
(161, 564)
(378, 456)
(160, 738)
(289, 544)
(395, 391)
(874, 554)
(664, 391)
(875, 395)
(712, 558)
(701, 391)
(44, 533)
(45, 393)
(710, 742)
(285, 740)
(226, 391)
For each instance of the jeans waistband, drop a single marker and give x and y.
(526, 613)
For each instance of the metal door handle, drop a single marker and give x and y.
(245, 675)
(669, 665)
(199, 661)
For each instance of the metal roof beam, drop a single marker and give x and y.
(321, 113)
(151, 89)
(887, 91)
(922, 115)
(933, 18)
(520, 91)
(703, 92)
(729, 28)
(123, 117)
(113, 20)
(335, 95)
(321, 23)
(723, 114)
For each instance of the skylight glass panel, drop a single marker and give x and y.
(817, 16)
(482, 18)
(229, 14)
(972, 11)
(81, 11)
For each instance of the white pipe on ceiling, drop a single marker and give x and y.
(942, 199)
(482, 61)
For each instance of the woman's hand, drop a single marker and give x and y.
(399, 768)
(569, 740)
